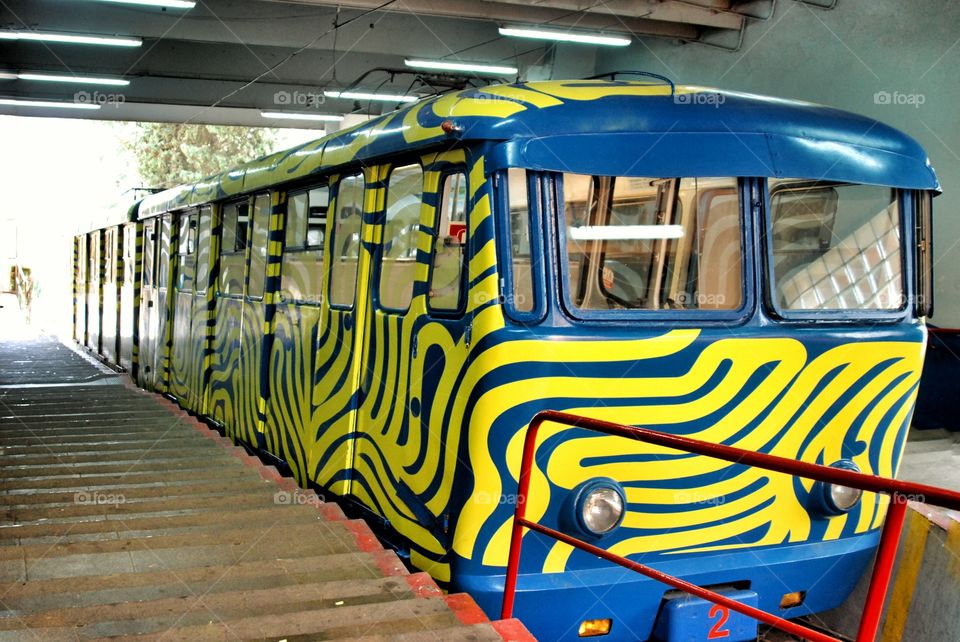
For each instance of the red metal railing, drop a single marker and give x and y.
(899, 491)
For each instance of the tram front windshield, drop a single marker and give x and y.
(677, 244)
(652, 244)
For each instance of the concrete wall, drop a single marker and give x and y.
(843, 58)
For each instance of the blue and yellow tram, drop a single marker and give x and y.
(385, 309)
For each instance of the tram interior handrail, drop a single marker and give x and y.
(900, 493)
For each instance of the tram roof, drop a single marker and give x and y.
(603, 127)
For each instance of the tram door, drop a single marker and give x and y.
(126, 276)
(93, 291)
(186, 344)
(110, 298)
(384, 345)
(163, 310)
(80, 290)
(402, 382)
(147, 349)
(339, 338)
(153, 303)
(252, 321)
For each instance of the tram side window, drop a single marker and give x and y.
(258, 245)
(109, 267)
(400, 231)
(149, 245)
(129, 252)
(93, 272)
(306, 221)
(232, 246)
(163, 252)
(203, 249)
(187, 251)
(346, 240)
(520, 241)
(450, 244)
(81, 242)
(835, 246)
(652, 243)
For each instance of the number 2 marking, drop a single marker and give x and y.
(716, 632)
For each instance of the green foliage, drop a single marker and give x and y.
(170, 154)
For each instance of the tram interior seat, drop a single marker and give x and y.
(861, 271)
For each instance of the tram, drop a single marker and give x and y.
(386, 308)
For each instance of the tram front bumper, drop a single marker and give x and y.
(554, 605)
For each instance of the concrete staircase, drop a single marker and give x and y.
(125, 518)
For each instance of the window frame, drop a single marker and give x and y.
(382, 220)
(672, 317)
(535, 221)
(248, 257)
(839, 315)
(460, 310)
(335, 198)
(305, 247)
(244, 200)
(190, 216)
(204, 213)
(223, 207)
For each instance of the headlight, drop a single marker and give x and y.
(831, 500)
(601, 510)
(595, 507)
(844, 498)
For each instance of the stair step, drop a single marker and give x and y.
(422, 616)
(90, 482)
(153, 526)
(44, 595)
(214, 501)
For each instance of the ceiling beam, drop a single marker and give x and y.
(526, 14)
(662, 10)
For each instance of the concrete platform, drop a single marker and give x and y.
(124, 517)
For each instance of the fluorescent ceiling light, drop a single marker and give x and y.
(364, 95)
(447, 65)
(83, 80)
(565, 36)
(48, 36)
(46, 103)
(170, 4)
(6, 75)
(296, 116)
(625, 232)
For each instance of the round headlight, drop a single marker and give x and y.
(843, 497)
(601, 509)
(831, 500)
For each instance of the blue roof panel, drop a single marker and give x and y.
(632, 128)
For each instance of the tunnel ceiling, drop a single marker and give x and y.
(226, 61)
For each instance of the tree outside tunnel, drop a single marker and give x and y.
(170, 154)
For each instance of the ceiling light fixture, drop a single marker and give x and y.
(49, 36)
(364, 95)
(82, 80)
(284, 115)
(565, 36)
(46, 103)
(167, 4)
(448, 65)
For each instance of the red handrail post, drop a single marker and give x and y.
(883, 568)
(523, 488)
